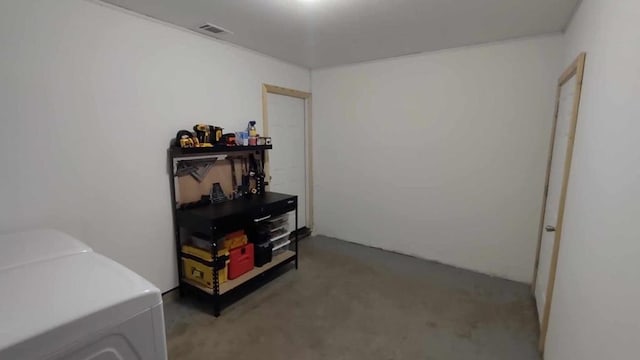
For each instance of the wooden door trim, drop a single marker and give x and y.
(306, 96)
(575, 69)
(272, 89)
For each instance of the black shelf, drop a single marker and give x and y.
(215, 220)
(254, 203)
(234, 215)
(177, 152)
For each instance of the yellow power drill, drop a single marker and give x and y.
(207, 134)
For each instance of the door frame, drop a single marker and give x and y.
(306, 96)
(575, 69)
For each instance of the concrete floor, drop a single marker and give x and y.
(353, 302)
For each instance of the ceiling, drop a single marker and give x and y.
(323, 33)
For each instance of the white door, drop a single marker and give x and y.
(287, 160)
(558, 160)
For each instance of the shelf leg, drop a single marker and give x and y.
(296, 240)
(178, 249)
(216, 305)
(216, 279)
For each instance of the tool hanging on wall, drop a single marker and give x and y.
(257, 174)
(217, 195)
(236, 191)
(245, 178)
(252, 174)
(198, 169)
(263, 175)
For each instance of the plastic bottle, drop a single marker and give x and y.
(251, 129)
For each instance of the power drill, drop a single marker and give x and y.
(203, 132)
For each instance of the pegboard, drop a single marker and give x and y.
(189, 189)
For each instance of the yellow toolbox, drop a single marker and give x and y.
(235, 240)
(197, 265)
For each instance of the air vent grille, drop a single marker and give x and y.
(214, 29)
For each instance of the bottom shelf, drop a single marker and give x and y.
(232, 284)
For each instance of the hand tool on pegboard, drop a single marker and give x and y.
(260, 176)
(198, 169)
(236, 192)
(217, 195)
(257, 174)
(245, 178)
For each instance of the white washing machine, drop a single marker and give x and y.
(60, 300)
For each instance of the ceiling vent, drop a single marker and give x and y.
(214, 29)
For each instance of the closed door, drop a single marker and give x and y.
(559, 169)
(558, 163)
(287, 160)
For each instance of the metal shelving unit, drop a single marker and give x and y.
(216, 220)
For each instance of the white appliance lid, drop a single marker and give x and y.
(37, 245)
(59, 301)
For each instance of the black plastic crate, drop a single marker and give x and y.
(263, 254)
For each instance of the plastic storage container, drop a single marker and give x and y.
(197, 265)
(279, 235)
(279, 223)
(263, 254)
(281, 247)
(268, 230)
(241, 261)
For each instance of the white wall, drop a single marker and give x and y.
(440, 155)
(90, 97)
(594, 313)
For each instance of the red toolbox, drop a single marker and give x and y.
(240, 261)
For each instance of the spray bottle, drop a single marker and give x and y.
(251, 128)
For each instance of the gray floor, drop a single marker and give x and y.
(353, 302)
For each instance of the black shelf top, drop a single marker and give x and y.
(232, 207)
(185, 152)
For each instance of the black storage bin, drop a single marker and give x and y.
(263, 254)
(258, 235)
